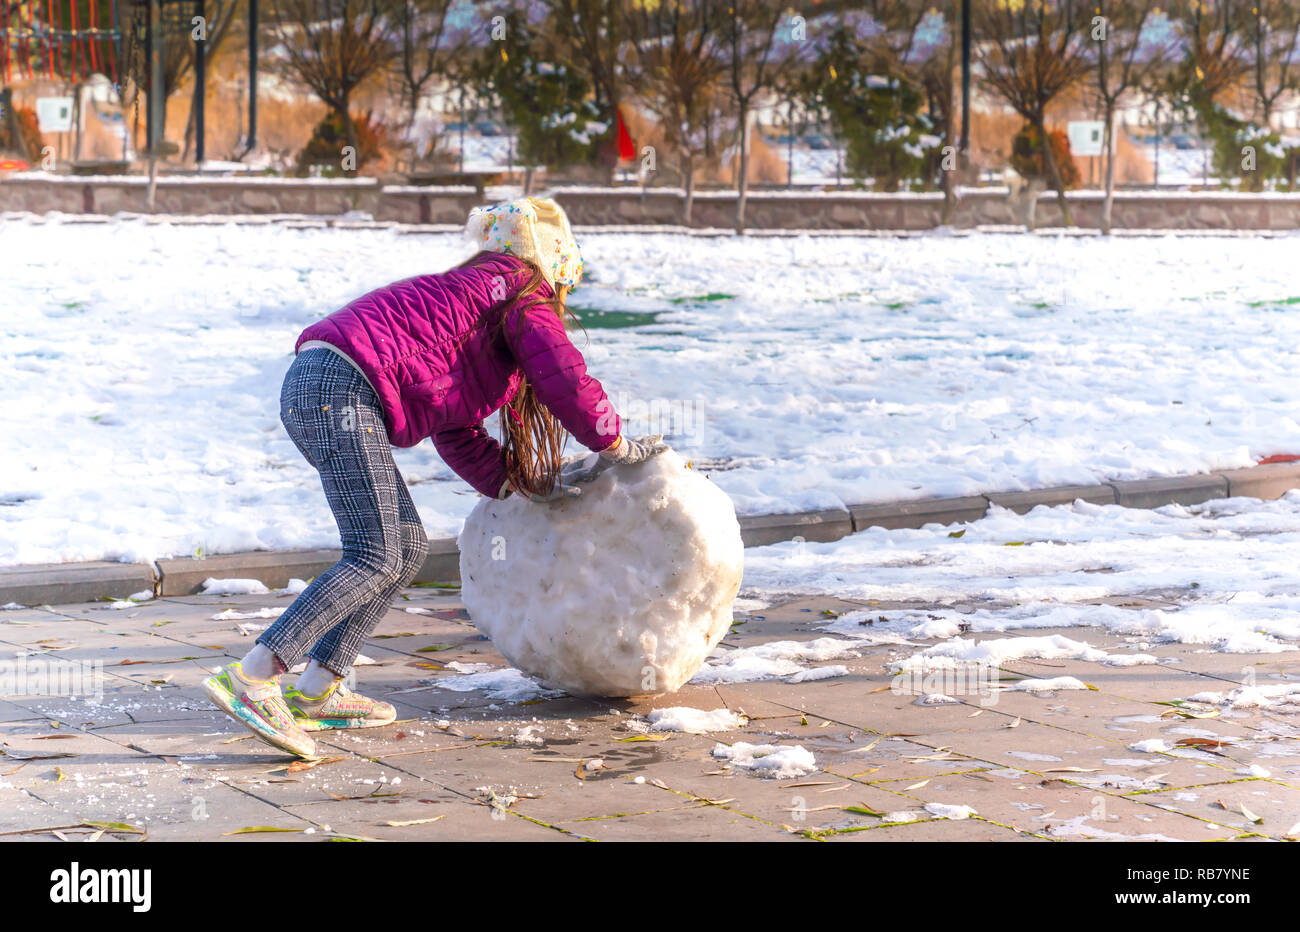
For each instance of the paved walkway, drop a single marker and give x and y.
(151, 756)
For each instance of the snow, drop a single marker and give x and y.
(840, 369)
(949, 811)
(775, 762)
(500, 683)
(620, 592)
(213, 586)
(1225, 570)
(776, 659)
(695, 721)
(1048, 685)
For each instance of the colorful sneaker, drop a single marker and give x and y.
(259, 706)
(340, 707)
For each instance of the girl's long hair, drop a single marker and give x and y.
(532, 437)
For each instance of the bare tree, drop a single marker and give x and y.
(677, 63)
(588, 35)
(914, 42)
(1029, 52)
(1215, 38)
(334, 46)
(427, 45)
(1274, 30)
(755, 54)
(1126, 53)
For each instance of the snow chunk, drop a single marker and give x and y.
(777, 659)
(695, 721)
(1151, 746)
(947, 811)
(622, 591)
(1047, 685)
(768, 760)
(213, 586)
(232, 614)
(502, 683)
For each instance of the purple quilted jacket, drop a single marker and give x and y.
(431, 347)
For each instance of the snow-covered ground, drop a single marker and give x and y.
(1221, 576)
(1182, 166)
(142, 366)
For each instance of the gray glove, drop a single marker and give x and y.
(561, 491)
(637, 450)
(582, 469)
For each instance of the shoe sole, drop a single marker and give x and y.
(223, 701)
(332, 724)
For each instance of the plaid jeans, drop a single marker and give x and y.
(335, 420)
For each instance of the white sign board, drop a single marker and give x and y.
(1086, 136)
(54, 114)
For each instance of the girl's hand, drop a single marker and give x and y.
(639, 450)
(582, 469)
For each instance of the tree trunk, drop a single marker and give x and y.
(742, 179)
(1053, 171)
(350, 135)
(689, 205)
(189, 134)
(949, 194)
(1109, 142)
(77, 119)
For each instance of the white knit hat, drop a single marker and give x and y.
(532, 228)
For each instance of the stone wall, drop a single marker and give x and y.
(765, 210)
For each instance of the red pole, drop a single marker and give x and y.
(49, 36)
(76, 43)
(4, 51)
(94, 39)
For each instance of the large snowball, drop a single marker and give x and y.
(621, 592)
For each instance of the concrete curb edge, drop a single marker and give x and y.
(63, 583)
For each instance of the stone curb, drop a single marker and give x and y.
(63, 583)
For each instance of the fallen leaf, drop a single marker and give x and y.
(916, 786)
(862, 809)
(254, 829)
(1201, 743)
(308, 763)
(414, 822)
(16, 754)
(112, 826)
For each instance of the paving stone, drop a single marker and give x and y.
(461, 820)
(1276, 804)
(707, 823)
(153, 744)
(941, 830)
(1052, 810)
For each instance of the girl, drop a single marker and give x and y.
(430, 356)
